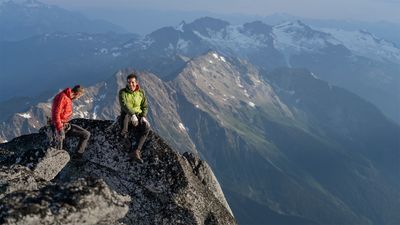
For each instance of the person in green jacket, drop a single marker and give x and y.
(134, 109)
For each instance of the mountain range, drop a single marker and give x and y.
(355, 60)
(23, 19)
(387, 30)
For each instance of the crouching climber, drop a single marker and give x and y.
(61, 112)
(134, 109)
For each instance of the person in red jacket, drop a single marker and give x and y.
(61, 112)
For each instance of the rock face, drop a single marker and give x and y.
(51, 164)
(16, 178)
(168, 188)
(84, 201)
(204, 173)
(27, 196)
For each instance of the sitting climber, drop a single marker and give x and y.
(134, 109)
(61, 112)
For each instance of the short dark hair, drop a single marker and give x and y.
(132, 75)
(78, 89)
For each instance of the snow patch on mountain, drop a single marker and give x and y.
(82, 114)
(246, 93)
(182, 127)
(205, 69)
(128, 45)
(238, 82)
(25, 115)
(84, 38)
(103, 96)
(365, 44)
(95, 112)
(221, 58)
(116, 54)
(295, 37)
(231, 38)
(182, 44)
(103, 51)
(145, 43)
(314, 76)
(180, 27)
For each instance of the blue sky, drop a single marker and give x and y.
(364, 10)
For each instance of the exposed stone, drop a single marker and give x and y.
(206, 176)
(167, 188)
(51, 164)
(84, 201)
(16, 178)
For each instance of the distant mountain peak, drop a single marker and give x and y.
(295, 25)
(295, 36)
(24, 3)
(257, 23)
(209, 20)
(206, 24)
(26, 18)
(363, 43)
(181, 26)
(257, 27)
(298, 29)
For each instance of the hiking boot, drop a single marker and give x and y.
(135, 155)
(124, 134)
(78, 157)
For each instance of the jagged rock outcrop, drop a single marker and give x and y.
(168, 188)
(51, 164)
(45, 163)
(16, 178)
(84, 201)
(204, 173)
(27, 196)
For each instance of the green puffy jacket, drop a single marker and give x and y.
(133, 102)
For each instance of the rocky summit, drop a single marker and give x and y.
(43, 185)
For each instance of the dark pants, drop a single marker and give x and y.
(142, 129)
(84, 135)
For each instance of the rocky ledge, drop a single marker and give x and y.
(41, 185)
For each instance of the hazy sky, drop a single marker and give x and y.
(365, 10)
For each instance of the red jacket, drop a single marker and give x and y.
(61, 110)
